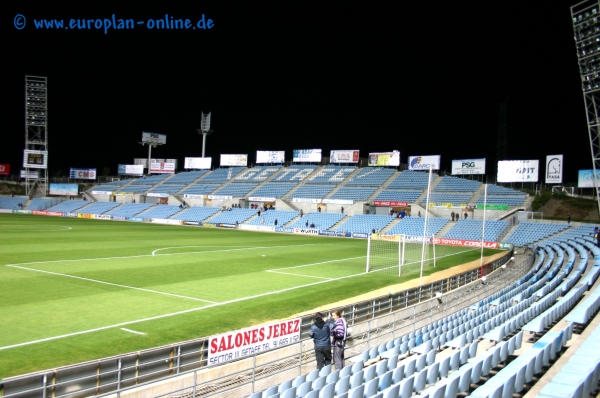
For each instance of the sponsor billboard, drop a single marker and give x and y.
(144, 161)
(131, 169)
(384, 158)
(344, 156)
(554, 169)
(307, 155)
(585, 178)
(154, 138)
(468, 166)
(4, 169)
(35, 159)
(31, 174)
(162, 168)
(198, 163)
(518, 170)
(247, 342)
(64, 189)
(423, 162)
(83, 174)
(270, 156)
(234, 160)
(464, 242)
(389, 203)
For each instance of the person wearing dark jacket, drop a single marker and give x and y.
(320, 332)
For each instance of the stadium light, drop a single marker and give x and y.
(204, 129)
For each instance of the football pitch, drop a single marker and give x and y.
(75, 290)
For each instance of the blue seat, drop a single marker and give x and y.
(385, 381)
(304, 389)
(342, 385)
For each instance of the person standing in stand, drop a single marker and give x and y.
(320, 332)
(339, 334)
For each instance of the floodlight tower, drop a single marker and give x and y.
(35, 156)
(205, 129)
(586, 26)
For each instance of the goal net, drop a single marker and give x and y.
(399, 254)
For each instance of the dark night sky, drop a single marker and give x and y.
(422, 78)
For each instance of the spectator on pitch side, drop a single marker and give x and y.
(339, 334)
(320, 332)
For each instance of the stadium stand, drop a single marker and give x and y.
(232, 216)
(42, 203)
(502, 200)
(365, 223)
(187, 177)
(170, 189)
(256, 174)
(200, 189)
(160, 211)
(221, 175)
(415, 225)
(409, 196)
(196, 213)
(273, 190)
(455, 184)
(10, 203)
(312, 191)
(330, 175)
(472, 229)
(269, 217)
(356, 194)
(133, 188)
(527, 233)
(129, 210)
(456, 199)
(69, 206)
(294, 173)
(370, 177)
(235, 190)
(99, 207)
(320, 220)
(411, 179)
(150, 180)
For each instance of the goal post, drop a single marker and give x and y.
(396, 254)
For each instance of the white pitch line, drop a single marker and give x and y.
(226, 250)
(131, 331)
(306, 276)
(111, 284)
(319, 263)
(174, 313)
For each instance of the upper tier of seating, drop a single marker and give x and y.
(455, 184)
(353, 193)
(509, 200)
(170, 189)
(529, 232)
(200, 189)
(370, 177)
(414, 226)
(99, 207)
(455, 199)
(409, 196)
(221, 175)
(411, 179)
(160, 211)
(294, 173)
(273, 190)
(187, 177)
(312, 191)
(150, 180)
(256, 174)
(365, 223)
(235, 190)
(471, 230)
(330, 175)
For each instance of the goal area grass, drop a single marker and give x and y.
(75, 290)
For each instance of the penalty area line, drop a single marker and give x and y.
(131, 331)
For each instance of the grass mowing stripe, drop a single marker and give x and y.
(305, 276)
(319, 263)
(110, 283)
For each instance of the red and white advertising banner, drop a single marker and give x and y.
(47, 213)
(162, 168)
(466, 243)
(390, 203)
(246, 342)
(344, 156)
(4, 169)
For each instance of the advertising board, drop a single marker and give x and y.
(384, 158)
(518, 170)
(423, 162)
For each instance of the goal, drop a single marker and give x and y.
(399, 254)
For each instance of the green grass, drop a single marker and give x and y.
(70, 285)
